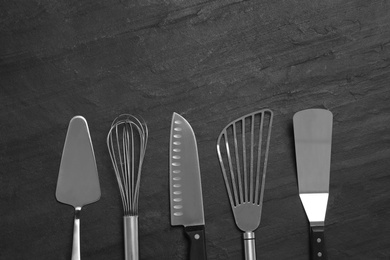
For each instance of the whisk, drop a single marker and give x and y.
(126, 142)
(242, 149)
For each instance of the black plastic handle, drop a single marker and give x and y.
(197, 239)
(317, 243)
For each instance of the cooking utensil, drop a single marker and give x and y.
(126, 142)
(242, 148)
(78, 181)
(185, 185)
(313, 140)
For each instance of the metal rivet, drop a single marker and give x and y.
(318, 240)
(197, 236)
(319, 254)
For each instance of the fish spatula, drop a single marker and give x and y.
(313, 141)
(242, 149)
(78, 181)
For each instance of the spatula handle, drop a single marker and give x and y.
(317, 243)
(76, 235)
(250, 246)
(197, 239)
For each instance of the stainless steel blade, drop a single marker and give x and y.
(313, 140)
(185, 181)
(78, 181)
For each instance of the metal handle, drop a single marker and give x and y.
(131, 237)
(76, 235)
(249, 244)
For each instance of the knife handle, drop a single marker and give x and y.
(197, 239)
(317, 243)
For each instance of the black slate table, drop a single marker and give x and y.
(210, 61)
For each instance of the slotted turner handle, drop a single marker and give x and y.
(250, 246)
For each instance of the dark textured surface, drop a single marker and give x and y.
(210, 61)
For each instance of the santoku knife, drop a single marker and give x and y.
(185, 186)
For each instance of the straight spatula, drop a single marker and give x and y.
(313, 141)
(78, 181)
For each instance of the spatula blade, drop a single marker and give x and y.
(78, 181)
(313, 141)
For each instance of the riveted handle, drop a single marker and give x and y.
(317, 243)
(197, 239)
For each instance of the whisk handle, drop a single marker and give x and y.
(76, 235)
(131, 237)
(249, 245)
(196, 235)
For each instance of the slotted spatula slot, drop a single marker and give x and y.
(243, 153)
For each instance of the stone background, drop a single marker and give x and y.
(210, 61)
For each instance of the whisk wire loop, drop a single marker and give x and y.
(126, 142)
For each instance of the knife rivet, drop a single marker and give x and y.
(318, 240)
(196, 236)
(319, 254)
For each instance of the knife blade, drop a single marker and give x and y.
(186, 201)
(78, 180)
(313, 141)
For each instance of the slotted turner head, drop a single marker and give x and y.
(242, 149)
